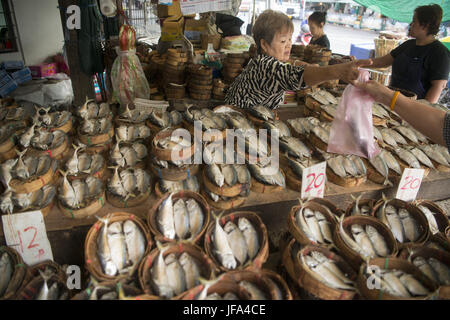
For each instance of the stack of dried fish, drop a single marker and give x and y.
(180, 219)
(316, 99)
(84, 163)
(132, 182)
(385, 165)
(267, 174)
(8, 141)
(91, 110)
(79, 193)
(51, 120)
(208, 119)
(172, 275)
(43, 140)
(121, 246)
(228, 175)
(397, 283)
(95, 127)
(261, 112)
(438, 154)
(314, 225)
(133, 116)
(23, 202)
(235, 245)
(132, 133)
(434, 269)
(303, 126)
(326, 270)
(277, 125)
(190, 184)
(163, 120)
(348, 167)
(128, 155)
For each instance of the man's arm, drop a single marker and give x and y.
(435, 90)
(382, 62)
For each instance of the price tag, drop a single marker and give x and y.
(26, 233)
(313, 181)
(409, 184)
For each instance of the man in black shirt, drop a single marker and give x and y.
(420, 65)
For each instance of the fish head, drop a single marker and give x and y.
(356, 229)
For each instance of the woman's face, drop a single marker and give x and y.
(314, 28)
(416, 30)
(280, 47)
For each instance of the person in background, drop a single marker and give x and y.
(422, 64)
(267, 76)
(316, 22)
(432, 122)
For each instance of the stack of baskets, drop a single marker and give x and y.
(200, 81)
(219, 89)
(316, 54)
(233, 65)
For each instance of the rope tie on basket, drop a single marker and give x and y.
(19, 265)
(49, 153)
(89, 141)
(149, 261)
(88, 291)
(101, 201)
(180, 247)
(131, 217)
(88, 261)
(189, 173)
(71, 212)
(386, 263)
(42, 181)
(159, 173)
(380, 294)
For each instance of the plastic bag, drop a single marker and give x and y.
(352, 129)
(127, 76)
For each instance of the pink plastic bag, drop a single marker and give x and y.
(352, 129)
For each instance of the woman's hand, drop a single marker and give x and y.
(349, 71)
(379, 92)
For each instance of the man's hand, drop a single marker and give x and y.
(378, 91)
(349, 72)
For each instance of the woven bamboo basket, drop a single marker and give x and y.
(288, 252)
(185, 195)
(200, 80)
(128, 290)
(154, 129)
(57, 153)
(416, 214)
(7, 155)
(325, 117)
(175, 174)
(442, 256)
(48, 265)
(263, 238)
(207, 268)
(350, 255)
(259, 187)
(397, 264)
(100, 174)
(166, 154)
(297, 232)
(312, 103)
(225, 190)
(232, 203)
(89, 210)
(317, 143)
(120, 202)
(221, 287)
(200, 96)
(329, 205)
(36, 182)
(348, 181)
(257, 278)
(313, 286)
(20, 275)
(66, 127)
(207, 135)
(46, 210)
(199, 70)
(447, 233)
(440, 216)
(97, 139)
(100, 148)
(279, 282)
(404, 165)
(375, 176)
(218, 83)
(92, 261)
(7, 145)
(31, 290)
(437, 241)
(362, 202)
(292, 180)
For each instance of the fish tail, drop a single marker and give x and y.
(21, 153)
(64, 173)
(161, 248)
(45, 275)
(217, 217)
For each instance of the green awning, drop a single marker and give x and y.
(403, 10)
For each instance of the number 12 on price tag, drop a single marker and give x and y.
(313, 181)
(25, 232)
(409, 184)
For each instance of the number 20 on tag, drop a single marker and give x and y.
(313, 181)
(409, 184)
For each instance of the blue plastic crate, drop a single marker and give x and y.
(12, 65)
(24, 79)
(362, 50)
(25, 72)
(8, 88)
(4, 80)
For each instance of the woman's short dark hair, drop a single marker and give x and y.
(429, 16)
(318, 17)
(268, 24)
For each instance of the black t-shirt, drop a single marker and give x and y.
(436, 64)
(322, 41)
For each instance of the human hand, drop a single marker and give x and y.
(349, 72)
(379, 92)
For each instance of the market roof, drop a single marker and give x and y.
(402, 10)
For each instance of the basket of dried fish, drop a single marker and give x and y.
(46, 286)
(238, 240)
(134, 116)
(437, 219)
(128, 155)
(360, 206)
(266, 179)
(80, 198)
(328, 205)
(289, 253)
(413, 157)
(384, 168)
(14, 273)
(311, 222)
(359, 238)
(171, 270)
(115, 246)
(315, 100)
(55, 143)
(328, 112)
(162, 187)
(179, 216)
(158, 121)
(282, 291)
(407, 222)
(30, 173)
(169, 146)
(213, 124)
(258, 285)
(394, 279)
(107, 290)
(217, 289)
(435, 264)
(60, 120)
(301, 127)
(320, 135)
(173, 170)
(95, 131)
(259, 114)
(47, 266)
(128, 189)
(324, 274)
(226, 180)
(91, 110)
(132, 133)
(346, 171)
(41, 199)
(439, 156)
(83, 164)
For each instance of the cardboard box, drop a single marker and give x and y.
(194, 28)
(165, 11)
(172, 28)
